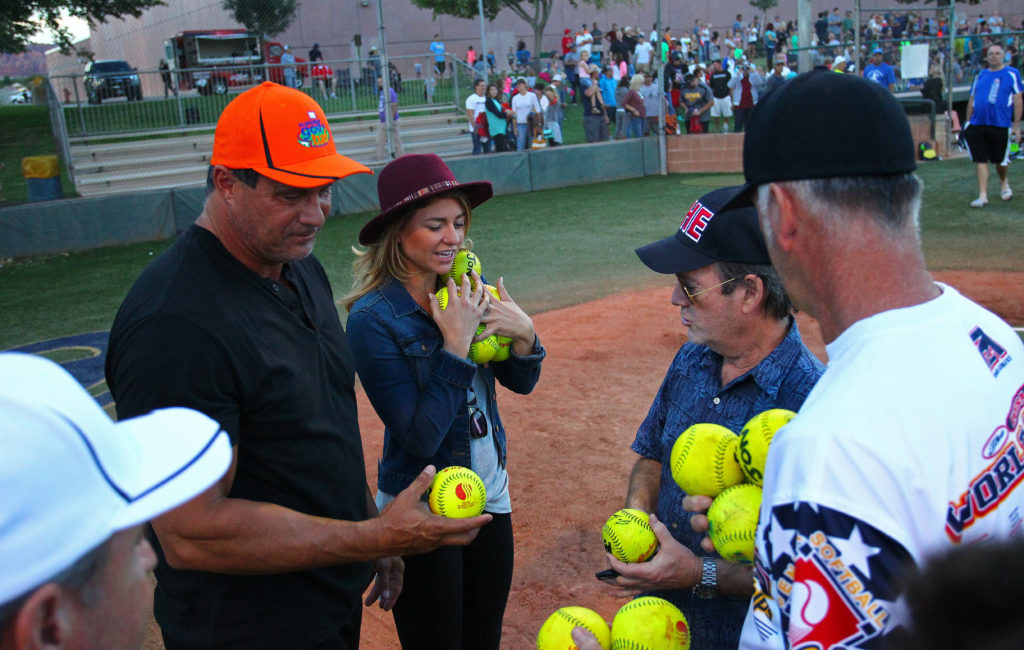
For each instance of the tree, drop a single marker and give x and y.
(534, 12)
(764, 6)
(20, 20)
(263, 17)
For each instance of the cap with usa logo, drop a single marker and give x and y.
(281, 133)
(709, 234)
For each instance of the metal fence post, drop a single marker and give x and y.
(60, 128)
(455, 80)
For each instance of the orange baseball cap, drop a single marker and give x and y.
(281, 133)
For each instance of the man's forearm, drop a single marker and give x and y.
(644, 485)
(252, 537)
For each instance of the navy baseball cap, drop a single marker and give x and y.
(868, 133)
(709, 233)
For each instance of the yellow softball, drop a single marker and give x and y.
(481, 352)
(755, 438)
(504, 342)
(464, 262)
(732, 522)
(442, 297)
(629, 537)
(484, 351)
(649, 623)
(703, 460)
(556, 633)
(457, 492)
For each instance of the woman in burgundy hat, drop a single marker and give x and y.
(438, 408)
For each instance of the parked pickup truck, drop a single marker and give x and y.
(211, 61)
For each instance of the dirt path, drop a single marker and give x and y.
(569, 455)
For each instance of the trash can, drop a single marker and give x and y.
(42, 175)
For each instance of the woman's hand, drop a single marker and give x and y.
(461, 317)
(505, 318)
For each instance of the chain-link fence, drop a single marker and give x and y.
(118, 99)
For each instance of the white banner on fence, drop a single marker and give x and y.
(914, 61)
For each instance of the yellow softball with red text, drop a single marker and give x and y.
(649, 623)
(703, 460)
(755, 438)
(732, 522)
(457, 492)
(629, 537)
(556, 633)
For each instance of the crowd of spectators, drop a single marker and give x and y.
(711, 77)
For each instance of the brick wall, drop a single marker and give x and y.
(723, 152)
(706, 152)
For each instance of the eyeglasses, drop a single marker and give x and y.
(692, 297)
(477, 419)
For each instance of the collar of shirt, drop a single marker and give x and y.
(769, 372)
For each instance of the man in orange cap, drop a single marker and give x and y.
(237, 320)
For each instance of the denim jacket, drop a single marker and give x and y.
(419, 389)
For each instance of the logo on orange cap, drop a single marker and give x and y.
(314, 133)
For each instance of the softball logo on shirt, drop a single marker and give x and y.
(313, 132)
(835, 589)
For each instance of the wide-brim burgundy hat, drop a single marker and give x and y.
(410, 179)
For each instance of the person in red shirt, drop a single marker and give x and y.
(567, 42)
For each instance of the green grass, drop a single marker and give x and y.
(555, 248)
(26, 132)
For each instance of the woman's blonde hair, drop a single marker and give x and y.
(382, 260)
(636, 81)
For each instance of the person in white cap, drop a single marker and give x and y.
(78, 490)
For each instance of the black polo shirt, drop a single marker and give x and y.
(719, 83)
(199, 329)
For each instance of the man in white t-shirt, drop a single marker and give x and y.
(913, 440)
(476, 104)
(584, 44)
(642, 54)
(524, 102)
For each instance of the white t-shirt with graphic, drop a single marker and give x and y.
(911, 442)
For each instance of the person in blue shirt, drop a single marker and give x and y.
(994, 109)
(438, 407)
(879, 71)
(437, 49)
(743, 355)
(607, 84)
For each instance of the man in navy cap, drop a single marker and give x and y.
(744, 355)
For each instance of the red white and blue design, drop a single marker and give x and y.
(696, 221)
(992, 353)
(836, 576)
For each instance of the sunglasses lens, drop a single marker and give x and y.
(477, 424)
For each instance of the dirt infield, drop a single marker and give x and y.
(569, 456)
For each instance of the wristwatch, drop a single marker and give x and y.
(708, 585)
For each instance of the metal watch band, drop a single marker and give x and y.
(708, 586)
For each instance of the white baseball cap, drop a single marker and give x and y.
(70, 477)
